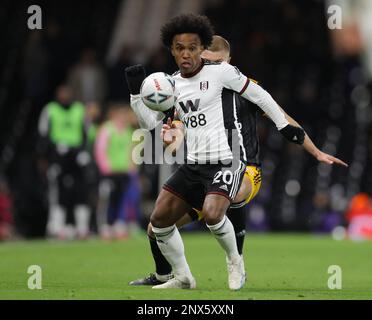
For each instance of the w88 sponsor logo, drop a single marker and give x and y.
(194, 121)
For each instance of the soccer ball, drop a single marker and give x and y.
(158, 91)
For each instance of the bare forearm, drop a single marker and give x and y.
(310, 147)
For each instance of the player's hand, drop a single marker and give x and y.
(134, 76)
(293, 134)
(327, 158)
(166, 132)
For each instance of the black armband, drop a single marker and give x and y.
(134, 76)
(293, 134)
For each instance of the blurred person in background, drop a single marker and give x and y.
(87, 79)
(119, 194)
(93, 111)
(92, 120)
(6, 218)
(63, 146)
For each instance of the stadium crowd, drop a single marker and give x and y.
(285, 45)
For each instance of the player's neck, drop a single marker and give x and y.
(193, 73)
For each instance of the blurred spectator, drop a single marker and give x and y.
(6, 219)
(92, 120)
(119, 192)
(63, 145)
(92, 117)
(87, 79)
(359, 216)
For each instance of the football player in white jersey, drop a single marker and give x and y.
(212, 186)
(214, 172)
(218, 51)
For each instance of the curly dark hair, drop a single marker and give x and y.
(188, 23)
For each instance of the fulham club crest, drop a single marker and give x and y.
(204, 86)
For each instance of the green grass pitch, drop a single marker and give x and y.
(279, 266)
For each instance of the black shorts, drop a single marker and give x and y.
(192, 182)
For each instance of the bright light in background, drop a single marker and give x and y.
(292, 188)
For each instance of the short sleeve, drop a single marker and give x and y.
(232, 78)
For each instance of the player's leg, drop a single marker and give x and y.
(250, 186)
(57, 214)
(214, 209)
(123, 207)
(132, 200)
(222, 188)
(237, 217)
(66, 198)
(237, 212)
(163, 219)
(112, 207)
(63, 203)
(163, 270)
(81, 209)
(104, 210)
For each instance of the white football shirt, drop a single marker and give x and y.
(208, 110)
(205, 113)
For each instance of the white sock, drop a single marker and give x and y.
(70, 232)
(225, 234)
(82, 216)
(56, 220)
(171, 245)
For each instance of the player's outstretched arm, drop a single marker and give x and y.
(147, 118)
(310, 147)
(290, 129)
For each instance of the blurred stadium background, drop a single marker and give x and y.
(321, 77)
